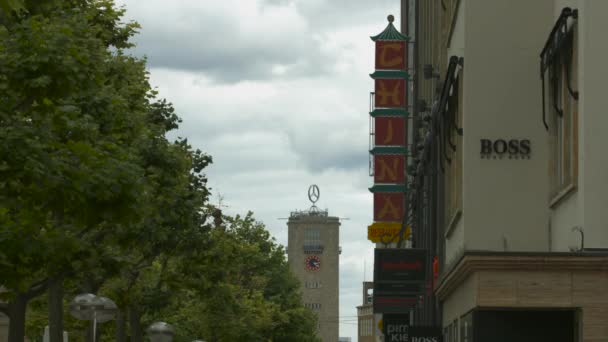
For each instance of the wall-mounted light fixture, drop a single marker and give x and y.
(582, 246)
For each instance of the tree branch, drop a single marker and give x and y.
(38, 288)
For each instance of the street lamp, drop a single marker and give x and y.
(160, 332)
(89, 307)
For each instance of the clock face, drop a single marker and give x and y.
(313, 263)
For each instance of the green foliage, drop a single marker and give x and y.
(237, 288)
(8, 6)
(72, 120)
(93, 192)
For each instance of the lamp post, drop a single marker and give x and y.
(89, 307)
(160, 332)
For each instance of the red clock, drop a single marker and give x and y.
(313, 263)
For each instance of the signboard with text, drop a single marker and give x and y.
(387, 304)
(399, 279)
(390, 55)
(389, 168)
(397, 329)
(388, 206)
(386, 231)
(390, 93)
(389, 131)
(399, 265)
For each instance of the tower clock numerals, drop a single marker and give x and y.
(312, 263)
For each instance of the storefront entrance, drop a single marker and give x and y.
(524, 326)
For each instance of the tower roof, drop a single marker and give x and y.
(390, 32)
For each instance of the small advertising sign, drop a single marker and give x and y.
(386, 231)
(425, 334)
(399, 265)
(388, 206)
(396, 327)
(399, 289)
(389, 131)
(379, 329)
(395, 305)
(399, 278)
(395, 297)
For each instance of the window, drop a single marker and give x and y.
(559, 65)
(313, 306)
(466, 327)
(366, 327)
(312, 235)
(450, 333)
(313, 284)
(453, 170)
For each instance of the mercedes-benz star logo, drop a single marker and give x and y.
(314, 193)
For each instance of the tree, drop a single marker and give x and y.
(72, 122)
(238, 288)
(93, 196)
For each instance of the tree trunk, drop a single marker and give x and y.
(56, 309)
(89, 332)
(16, 314)
(135, 324)
(121, 326)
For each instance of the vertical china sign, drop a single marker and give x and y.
(389, 111)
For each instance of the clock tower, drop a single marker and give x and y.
(313, 252)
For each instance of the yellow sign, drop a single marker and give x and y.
(386, 231)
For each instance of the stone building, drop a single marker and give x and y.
(313, 254)
(365, 315)
(509, 188)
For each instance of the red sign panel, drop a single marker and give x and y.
(389, 168)
(391, 55)
(388, 207)
(390, 93)
(389, 131)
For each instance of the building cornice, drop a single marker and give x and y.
(473, 261)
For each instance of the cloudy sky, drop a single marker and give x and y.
(277, 92)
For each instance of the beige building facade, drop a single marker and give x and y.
(518, 200)
(313, 254)
(366, 322)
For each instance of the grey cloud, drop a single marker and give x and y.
(337, 145)
(189, 36)
(313, 146)
(335, 13)
(232, 61)
(216, 45)
(275, 2)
